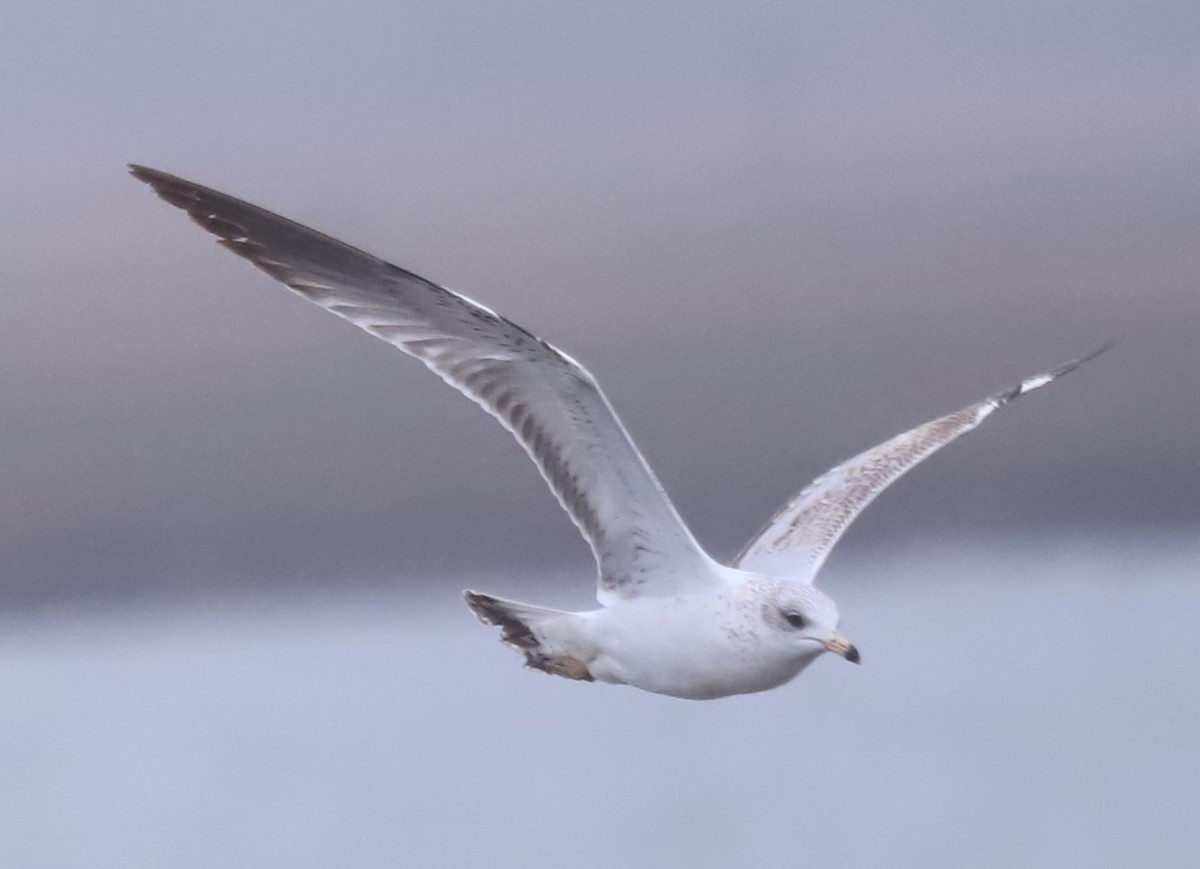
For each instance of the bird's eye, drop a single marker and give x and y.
(795, 620)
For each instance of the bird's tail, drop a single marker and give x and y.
(541, 634)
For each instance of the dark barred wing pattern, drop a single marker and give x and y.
(796, 541)
(550, 403)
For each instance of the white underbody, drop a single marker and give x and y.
(698, 646)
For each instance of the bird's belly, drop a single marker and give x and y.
(695, 679)
(690, 659)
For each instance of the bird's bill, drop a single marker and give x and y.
(839, 645)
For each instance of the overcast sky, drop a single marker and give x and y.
(777, 233)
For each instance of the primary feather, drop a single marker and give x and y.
(549, 402)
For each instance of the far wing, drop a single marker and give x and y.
(797, 540)
(549, 402)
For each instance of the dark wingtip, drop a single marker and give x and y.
(144, 173)
(1087, 357)
(1029, 384)
(170, 188)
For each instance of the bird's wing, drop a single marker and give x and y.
(797, 539)
(550, 403)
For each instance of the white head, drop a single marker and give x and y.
(805, 618)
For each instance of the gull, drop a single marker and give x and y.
(673, 620)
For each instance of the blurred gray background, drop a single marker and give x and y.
(777, 233)
(232, 527)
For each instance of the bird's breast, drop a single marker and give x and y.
(696, 648)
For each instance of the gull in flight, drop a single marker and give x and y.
(672, 619)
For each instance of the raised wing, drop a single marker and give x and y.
(797, 539)
(550, 403)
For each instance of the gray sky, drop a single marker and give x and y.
(777, 233)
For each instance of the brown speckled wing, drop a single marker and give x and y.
(549, 402)
(797, 539)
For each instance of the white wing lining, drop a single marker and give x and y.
(796, 541)
(549, 402)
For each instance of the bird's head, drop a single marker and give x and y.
(807, 619)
